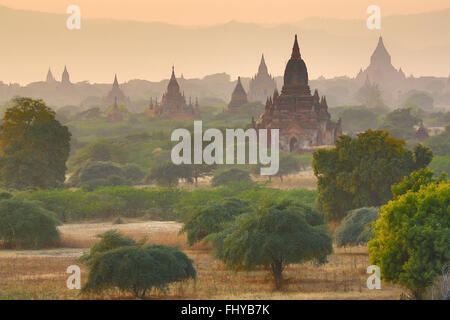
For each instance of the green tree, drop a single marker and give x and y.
(411, 237)
(102, 151)
(400, 123)
(133, 173)
(34, 146)
(212, 219)
(169, 174)
(413, 183)
(230, 176)
(275, 235)
(359, 171)
(25, 224)
(356, 227)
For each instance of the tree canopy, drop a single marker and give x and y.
(356, 227)
(359, 171)
(230, 176)
(34, 146)
(212, 218)
(411, 237)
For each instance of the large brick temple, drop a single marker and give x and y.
(302, 118)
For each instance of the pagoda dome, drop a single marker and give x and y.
(295, 73)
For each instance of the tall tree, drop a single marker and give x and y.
(276, 234)
(359, 172)
(34, 146)
(412, 236)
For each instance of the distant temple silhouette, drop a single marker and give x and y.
(114, 115)
(422, 132)
(173, 104)
(238, 97)
(65, 79)
(302, 118)
(116, 94)
(262, 85)
(381, 70)
(50, 78)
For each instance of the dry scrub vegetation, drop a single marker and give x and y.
(41, 274)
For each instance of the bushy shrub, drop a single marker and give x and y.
(230, 176)
(109, 240)
(106, 202)
(138, 269)
(412, 236)
(98, 174)
(133, 174)
(210, 219)
(25, 224)
(356, 227)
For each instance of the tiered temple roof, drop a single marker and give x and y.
(238, 97)
(173, 103)
(116, 94)
(381, 70)
(262, 84)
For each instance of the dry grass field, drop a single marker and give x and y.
(41, 274)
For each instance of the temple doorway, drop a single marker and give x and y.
(292, 144)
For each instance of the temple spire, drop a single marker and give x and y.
(50, 77)
(65, 80)
(116, 83)
(296, 50)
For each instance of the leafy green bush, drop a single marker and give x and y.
(25, 224)
(210, 219)
(230, 176)
(169, 174)
(106, 202)
(111, 239)
(133, 173)
(412, 236)
(138, 269)
(356, 227)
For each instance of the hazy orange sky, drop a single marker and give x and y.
(201, 12)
